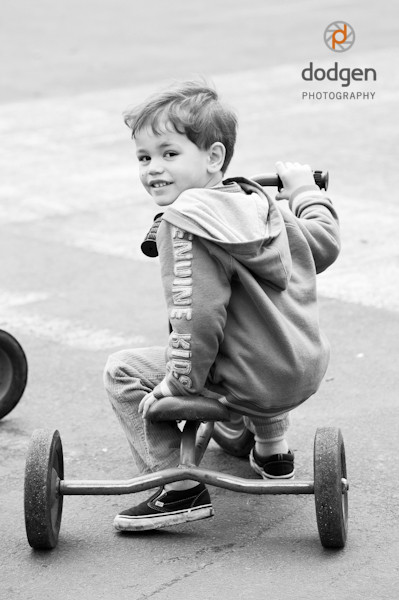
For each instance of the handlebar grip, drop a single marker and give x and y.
(149, 245)
(272, 179)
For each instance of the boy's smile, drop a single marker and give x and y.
(170, 163)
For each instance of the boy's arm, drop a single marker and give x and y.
(197, 292)
(315, 212)
(319, 224)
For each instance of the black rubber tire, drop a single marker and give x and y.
(233, 436)
(13, 372)
(330, 497)
(43, 504)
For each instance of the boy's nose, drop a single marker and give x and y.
(155, 168)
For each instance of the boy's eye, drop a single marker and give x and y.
(144, 158)
(170, 153)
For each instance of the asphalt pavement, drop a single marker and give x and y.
(74, 286)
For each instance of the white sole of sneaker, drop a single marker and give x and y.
(259, 471)
(126, 523)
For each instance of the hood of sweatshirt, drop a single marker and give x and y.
(240, 218)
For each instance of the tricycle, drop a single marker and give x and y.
(202, 419)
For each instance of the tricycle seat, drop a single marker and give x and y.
(188, 408)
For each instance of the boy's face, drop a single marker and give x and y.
(169, 164)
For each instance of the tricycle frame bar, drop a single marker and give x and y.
(151, 480)
(195, 438)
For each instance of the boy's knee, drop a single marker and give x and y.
(123, 366)
(115, 368)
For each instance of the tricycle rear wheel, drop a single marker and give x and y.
(233, 436)
(330, 487)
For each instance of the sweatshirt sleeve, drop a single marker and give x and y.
(197, 292)
(318, 221)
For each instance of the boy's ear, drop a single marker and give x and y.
(216, 156)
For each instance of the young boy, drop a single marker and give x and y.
(239, 277)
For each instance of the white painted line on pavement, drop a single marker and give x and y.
(61, 331)
(9, 299)
(68, 333)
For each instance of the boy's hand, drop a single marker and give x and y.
(145, 404)
(293, 176)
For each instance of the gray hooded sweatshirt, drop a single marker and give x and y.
(239, 276)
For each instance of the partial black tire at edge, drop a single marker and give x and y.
(13, 372)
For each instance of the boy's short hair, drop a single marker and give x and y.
(192, 108)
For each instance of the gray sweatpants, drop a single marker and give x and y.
(128, 376)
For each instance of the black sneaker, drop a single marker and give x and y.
(277, 466)
(166, 508)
